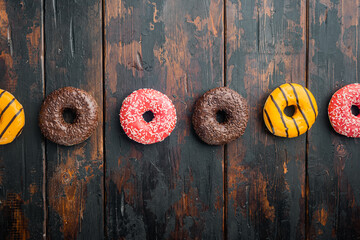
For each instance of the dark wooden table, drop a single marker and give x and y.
(257, 187)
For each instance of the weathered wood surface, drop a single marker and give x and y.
(21, 162)
(172, 189)
(110, 187)
(73, 39)
(334, 182)
(265, 47)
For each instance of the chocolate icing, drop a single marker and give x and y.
(52, 123)
(236, 116)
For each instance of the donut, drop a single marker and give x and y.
(339, 110)
(12, 117)
(136, 105)
(306, 110)
(234, 108)
(52, 123)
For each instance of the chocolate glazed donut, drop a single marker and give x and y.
(236, 112)
(52, 123)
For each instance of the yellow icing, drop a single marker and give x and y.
(12, 119)
(278, 122)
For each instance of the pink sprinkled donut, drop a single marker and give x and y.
(132, 120)
(340, 115)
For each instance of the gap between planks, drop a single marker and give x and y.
(103, 12)
(307, 37)
(43, 142)
(225, 160)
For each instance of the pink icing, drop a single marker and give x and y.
(341, 118)
(133, 123)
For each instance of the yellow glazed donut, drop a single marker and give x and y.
(12, 117)
(306, 110)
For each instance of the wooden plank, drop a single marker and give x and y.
(73, 38)
(265, 47)
(334, 183)
(172, 189)
(21, 162)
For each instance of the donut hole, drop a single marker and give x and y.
(290, 110)
(355, 110)
(69, 115)
(221, 116)
(148, 116)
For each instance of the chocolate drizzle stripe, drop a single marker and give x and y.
(283, 93)
(287, 104)
(311, 102)
(297, 103)
(11, 121)
(7, 106)
(297, 127)
(2, 93)
(281, 115)
(19, 132)
(271, 125)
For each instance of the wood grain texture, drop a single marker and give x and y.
(73, 38)
(265, 47)
(334, 182)
(21, 162)
(177, 189)
(172, 189)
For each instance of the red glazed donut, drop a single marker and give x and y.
(340, 115)
(140, 102)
